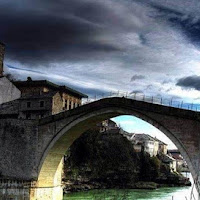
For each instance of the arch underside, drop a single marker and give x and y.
(50, 164)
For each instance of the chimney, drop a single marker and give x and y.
(2, 52)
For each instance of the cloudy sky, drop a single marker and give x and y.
(98, 46)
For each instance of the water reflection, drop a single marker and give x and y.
(175, 193)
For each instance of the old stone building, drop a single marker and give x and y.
(180, 162)
(107, 125)
(162, 149)
(42, 98)
(34, 99)
(144, 142)
(8, 91)
(170, 161)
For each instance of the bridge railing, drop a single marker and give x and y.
(149, 99)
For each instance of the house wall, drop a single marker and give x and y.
(151, 147)
(156, 148)
(33, 90)
(70, 102)
(163, 149)
(57, 104)
(8, 91)
(179, 164)
(35, 110)
(173, 165)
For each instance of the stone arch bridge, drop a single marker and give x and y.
(31, 151)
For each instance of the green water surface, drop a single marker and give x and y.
(175, 193)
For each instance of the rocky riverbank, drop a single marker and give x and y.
(77, 186)
(107, 160)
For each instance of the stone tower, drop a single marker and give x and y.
(2, 51)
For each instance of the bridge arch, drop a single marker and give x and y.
(51, 161)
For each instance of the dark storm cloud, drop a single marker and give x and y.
(50, 31)
(149, 87)
(164, 11)
(26, 70)
(189, 23)
(100, 45)
(190, 82)
(137, 77)
(137, 91)
(93, 93)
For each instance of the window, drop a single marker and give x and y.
(28, 104)
(65, 104)
(41, 104)
(41, 116)
(70, 105)
(74, 105)
(28, 115)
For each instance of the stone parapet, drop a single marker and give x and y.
(15, 189)
(28, 190)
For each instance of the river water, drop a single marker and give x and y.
(159, 194)
(172, 193)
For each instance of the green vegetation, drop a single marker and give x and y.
(103, 158)
(108, 160)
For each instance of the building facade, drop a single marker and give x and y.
(107, 125)
(146, 143)
(180, 162)
(170, 161)
(42, 98)
(8, 91)
(162, 147)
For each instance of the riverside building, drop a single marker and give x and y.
(34, 99)
(41, 98)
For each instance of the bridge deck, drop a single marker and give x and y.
(126, 102)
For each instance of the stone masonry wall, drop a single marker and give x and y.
(8, 91)
(57, 104)
(18, 147)
(14, 189)
(2, 51)
(31, 149)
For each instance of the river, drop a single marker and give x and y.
(172, 193)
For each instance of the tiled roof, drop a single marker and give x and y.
(143, 137)
(39, 96)
(174, 151)
(167, 158)
(161, 142)
(50, 85)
